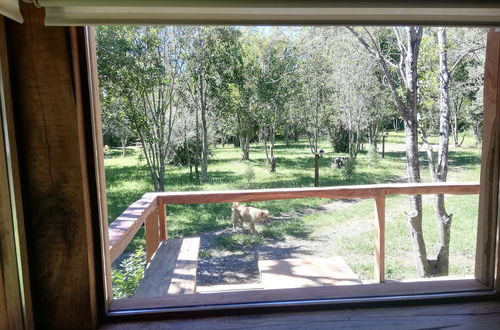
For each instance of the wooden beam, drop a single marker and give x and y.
(48, 92)
(436, 285)
(355, 191)
(152, 234)
(163, 221)
(123, 229)
(98, 170)
(13, 251)
(10, 299)
(379, 250)
(488, 197)
(472, 315)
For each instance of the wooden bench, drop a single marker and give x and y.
(172, 269)
(306, 272)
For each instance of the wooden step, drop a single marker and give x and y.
(306, 272)
(172, 269)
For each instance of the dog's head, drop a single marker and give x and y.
(234, 206)
(264, 215)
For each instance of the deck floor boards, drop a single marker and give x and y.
(306, 272)
(172, 269)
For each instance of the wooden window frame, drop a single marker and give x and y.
(484, 286)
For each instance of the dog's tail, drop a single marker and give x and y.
(235, 205)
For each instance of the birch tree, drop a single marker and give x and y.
(276, 84)
(398, 60)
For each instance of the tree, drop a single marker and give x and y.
(141, 66)
(397, 54)
(114, 120)
(276, 84)
(314, 99)
(212, 57)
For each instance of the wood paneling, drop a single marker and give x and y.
(484, 315)
(379, 239)
(490, 160)
(49, 98)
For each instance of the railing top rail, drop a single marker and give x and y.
(354, 191)
(122, 229)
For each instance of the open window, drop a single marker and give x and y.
(343, 240)
(174, 259)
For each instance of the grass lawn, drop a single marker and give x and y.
(127, 179)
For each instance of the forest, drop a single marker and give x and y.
(180, 90)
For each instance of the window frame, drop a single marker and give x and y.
(487, 268)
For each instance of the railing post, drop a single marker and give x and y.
(379, 252)
(152, 234)
(163, 220)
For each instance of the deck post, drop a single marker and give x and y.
(152, 234)
(379, 246)
(163, 220)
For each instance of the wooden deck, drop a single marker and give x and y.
(172, 269)
(306, 272)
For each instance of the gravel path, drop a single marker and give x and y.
(226, 267)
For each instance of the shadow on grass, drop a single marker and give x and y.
(191, 219)
(120, 174)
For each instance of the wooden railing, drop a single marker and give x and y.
(150, 209)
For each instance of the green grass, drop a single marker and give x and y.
(127, 179)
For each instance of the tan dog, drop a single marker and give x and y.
(245, 213)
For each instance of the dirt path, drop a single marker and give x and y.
(226, 267)
(237, 267)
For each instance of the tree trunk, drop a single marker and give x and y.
(415, 214)
(383, 146)
(244, 144)
(124, 146)
(316, 170)
(197, 149)
(455, 128)
(295, 134)
(204, 154)
(441, 266)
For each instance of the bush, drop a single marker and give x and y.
(373, 156)
(107, 151)
(347, 172)
(249, 173)
(126, 277)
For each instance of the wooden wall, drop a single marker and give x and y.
(50, 94)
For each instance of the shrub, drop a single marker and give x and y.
(126, 277)
(347, 172)
(249, 173)
(373, 156)
(107, 151)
